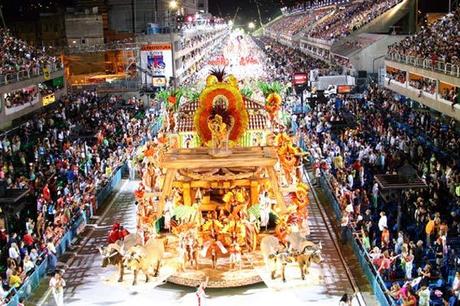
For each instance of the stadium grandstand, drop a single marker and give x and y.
(119, 152)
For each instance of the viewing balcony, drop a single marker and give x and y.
(37, 75)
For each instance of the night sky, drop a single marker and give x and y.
(270, 8)
(248, 9)
(13, 9)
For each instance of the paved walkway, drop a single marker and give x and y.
(90, 284)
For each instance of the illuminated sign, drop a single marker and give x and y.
(47, 100)
(159, 82)
(300, 79)
(344, 89)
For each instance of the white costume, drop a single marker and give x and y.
(168, 213)
(264, 210)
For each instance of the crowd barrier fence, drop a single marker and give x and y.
(425, 63)
(375, 280)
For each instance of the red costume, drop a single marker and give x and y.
(114, 235)
(46, 193)
(117, 233)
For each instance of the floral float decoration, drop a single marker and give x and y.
(288, 155)
(221, 118)
(273, 100)
(300, 200)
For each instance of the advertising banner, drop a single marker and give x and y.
(344, 89)
(300, 78)
(48, 99)
(156, 63)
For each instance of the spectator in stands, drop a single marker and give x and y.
(16, 55)
(15, 280)
(437, 43)
(456, 285)
(352, 17)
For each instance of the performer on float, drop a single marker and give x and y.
(191, 248)
(168, 212)
(212, 245)
(148, 177)
(181, 252)
(235, 255)
(198, 195)
(265, 208)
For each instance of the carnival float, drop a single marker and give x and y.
(222, 194)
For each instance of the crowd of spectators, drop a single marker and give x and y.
(450, 94)
(284, 61)
(342, 61)
(351, 17)
(293, 24)
(398, 75)
(191, 42)
(27, 96)
(438, 42)
(417, 259)
(48, 89)
(63, 157)
(424, 84)
(16, 55)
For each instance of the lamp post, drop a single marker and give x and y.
(173, 6)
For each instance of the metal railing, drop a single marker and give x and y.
(22, 75)
(425, 63)
(319, 41)
(33, 280)
(365, 261)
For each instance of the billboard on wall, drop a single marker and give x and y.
(156, 63)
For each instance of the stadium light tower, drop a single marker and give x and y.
(173, 4)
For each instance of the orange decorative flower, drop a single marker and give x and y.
(273, 104)
(172, 100)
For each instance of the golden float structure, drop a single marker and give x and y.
(205, 179)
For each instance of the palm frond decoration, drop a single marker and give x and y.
(183, 212)
(269, 88)
(254, 211)
(170, 97)
(192, 95)
(162, 95)
(247, 92)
